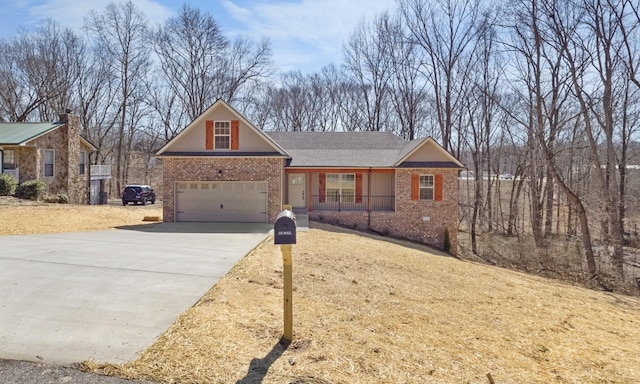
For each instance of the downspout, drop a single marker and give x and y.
(369, 199)
(89, 178)
(1, 161)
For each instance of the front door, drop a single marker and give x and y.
(297, 190)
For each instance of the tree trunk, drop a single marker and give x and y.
(548, 222)
(584, 222)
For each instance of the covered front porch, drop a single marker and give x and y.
(340, 190)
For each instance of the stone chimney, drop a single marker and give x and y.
(76, 183)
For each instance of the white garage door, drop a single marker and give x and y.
(221, 201)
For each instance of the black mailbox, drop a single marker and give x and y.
(284, 228)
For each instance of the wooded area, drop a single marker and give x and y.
(547, 91)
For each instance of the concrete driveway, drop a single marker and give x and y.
(108, 295)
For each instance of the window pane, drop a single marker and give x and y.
(426, 193)
(348, 181)
(348, 195)
(222, 128)
(9, 161)
(48, 163)
(332, 195)
(222, 135)
(333, 181)
(222, 142)
(48, 157)
(426, 181)
(82, 162)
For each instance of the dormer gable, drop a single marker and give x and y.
(220, 131)
(427, 151)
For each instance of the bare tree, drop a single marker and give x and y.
(38, 72)
(246, 67)
(190, 48)
(167, 108)
(120, 37)
(367, 60)
(64, 50)
(408, 88)
(447, 33)
(200, 65)
(628, 16)
(330, 79)
(97, 86)
(588, 36)
(481, 105)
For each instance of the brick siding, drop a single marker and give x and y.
(409, 219)
(240, 169)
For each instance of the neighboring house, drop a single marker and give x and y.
(222, 168)
(52, 152)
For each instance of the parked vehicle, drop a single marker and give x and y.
(506, 176)
(135, 194)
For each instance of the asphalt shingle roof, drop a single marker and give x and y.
(342, 149)
(19, 133)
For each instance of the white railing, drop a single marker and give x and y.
(13, 172)
(100, 171)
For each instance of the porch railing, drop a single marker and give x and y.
(100, 171)
(338, 202)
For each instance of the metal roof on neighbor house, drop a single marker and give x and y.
(343, 149)
(20, 133)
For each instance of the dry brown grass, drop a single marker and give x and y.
(371, 311)
(18, 217)
(367, 310)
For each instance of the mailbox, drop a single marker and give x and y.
(284, 228)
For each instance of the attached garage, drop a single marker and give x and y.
(221, 201)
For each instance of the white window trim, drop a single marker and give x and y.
(215, 134)
(53, 163)
(340, 188)
(432, 187)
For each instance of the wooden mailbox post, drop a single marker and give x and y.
(284, 233)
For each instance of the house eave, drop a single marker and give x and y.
(430, 164)
(439, 147)
(218, 155)
(202, 117)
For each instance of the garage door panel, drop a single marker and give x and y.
(221, 201)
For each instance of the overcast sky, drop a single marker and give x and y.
(305, 34)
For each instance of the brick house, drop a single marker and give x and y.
(222, 168)
(52, 152)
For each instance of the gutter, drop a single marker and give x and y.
(89, 177)
(369, 199)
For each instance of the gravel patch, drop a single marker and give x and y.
(25, 372)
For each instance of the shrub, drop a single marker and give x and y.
(447, 240)
(31, 189)
(62, 198)
(8, 184)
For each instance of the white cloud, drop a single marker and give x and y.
(305, 34)
(309, 30)
(71, 13)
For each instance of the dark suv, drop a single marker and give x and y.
(138, 194)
